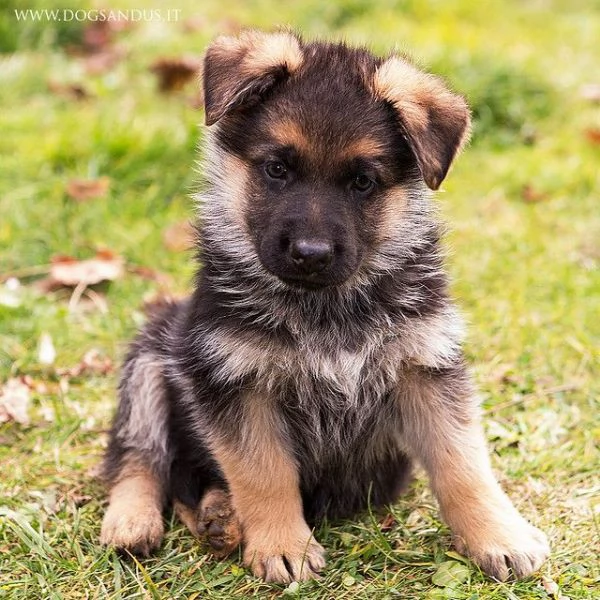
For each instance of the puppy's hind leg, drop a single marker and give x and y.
(137, 460)
(215, 519)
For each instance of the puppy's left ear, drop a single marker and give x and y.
(240, 69)
(435, 121)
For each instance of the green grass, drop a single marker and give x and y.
(526, 274)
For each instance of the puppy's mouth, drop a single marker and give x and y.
(312, 282)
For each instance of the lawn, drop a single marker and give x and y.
(78, 102)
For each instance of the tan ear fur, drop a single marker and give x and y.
(436, 121)
(240, 68)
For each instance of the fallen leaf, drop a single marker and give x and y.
(530, 195)
(388, 522)
(70, 272)
(593, 135)
(450, 573)
(179, 236)
(70, 91)
(92, 363)
(46, 350)
(550, 586)
(414, 520)
(292, 589)
(174, 73)
(14, 401)
(86, 189)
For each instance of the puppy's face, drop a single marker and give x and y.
(326, 158)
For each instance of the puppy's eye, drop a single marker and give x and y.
(276, 170)
(363, 183)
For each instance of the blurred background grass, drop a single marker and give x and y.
(522, 203)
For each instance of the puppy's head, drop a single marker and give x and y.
(320, 147)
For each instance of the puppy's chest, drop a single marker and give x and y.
(311, 369)
(318, 372)
(330, 397)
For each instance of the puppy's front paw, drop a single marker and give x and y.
(504, 549)
(296, 559)
(135, 528)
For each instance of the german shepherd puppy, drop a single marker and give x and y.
(319, 355)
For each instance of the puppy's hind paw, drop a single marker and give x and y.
(218, 521)
(214, 520)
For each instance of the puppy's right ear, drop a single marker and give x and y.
(240, 69)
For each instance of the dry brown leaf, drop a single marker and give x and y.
(174, 73)
(14, 401)
(388, 522)
(70, 91)
(179, 236)
(86, 189)
(593, 135)
(92, 363)
(530, 195)
(70, 272)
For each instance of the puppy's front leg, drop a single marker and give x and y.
(441, 422)
(264, 485)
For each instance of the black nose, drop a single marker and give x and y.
(312, 256)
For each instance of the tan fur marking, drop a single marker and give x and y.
(188, 516)
(263, 51)
(485, 524)
(451, 447)
(394, 205)
(362, 148)
(271, 50)
(264, 486)
(417, 96)
(233, 174)
(133, 520)
(289, 133)
(407, 88)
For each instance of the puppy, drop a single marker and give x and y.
(319, 356)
